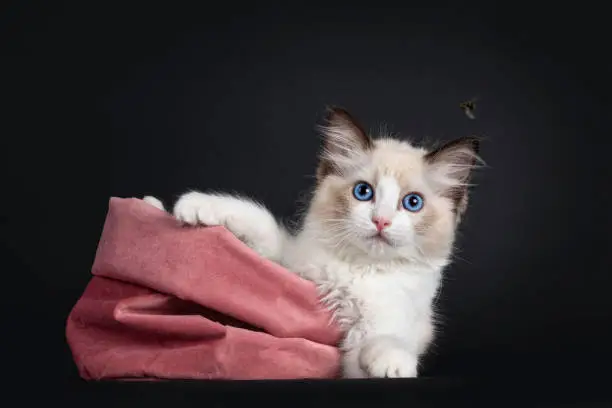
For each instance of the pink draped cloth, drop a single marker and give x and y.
(174, 302)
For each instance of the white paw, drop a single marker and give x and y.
(382, 360)
(196, 208)
(155, 202)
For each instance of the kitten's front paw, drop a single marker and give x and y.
(197, 208)
(383, 360)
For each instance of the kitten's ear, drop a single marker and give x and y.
(450, 168)
(343, 140)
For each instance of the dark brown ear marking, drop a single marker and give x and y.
(461, 156)
(470, 142)
(338, 117)
(342, 134)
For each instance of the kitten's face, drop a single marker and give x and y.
(387, 199)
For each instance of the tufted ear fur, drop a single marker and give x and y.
(450, 168)
(344, 139)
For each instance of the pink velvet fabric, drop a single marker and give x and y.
(172, 302)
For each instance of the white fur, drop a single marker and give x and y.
(155, 202)
(381, 299)
(248, 220)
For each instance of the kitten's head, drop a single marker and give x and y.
(386, 199)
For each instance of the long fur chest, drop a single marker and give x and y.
(381, 292)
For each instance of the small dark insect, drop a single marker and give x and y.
(468, 107)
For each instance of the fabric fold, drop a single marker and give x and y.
(167, 301)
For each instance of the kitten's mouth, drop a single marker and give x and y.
(380, 238)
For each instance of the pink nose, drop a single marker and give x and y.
(381, 223)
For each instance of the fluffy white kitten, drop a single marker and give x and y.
(377, 234)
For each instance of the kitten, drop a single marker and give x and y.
(377, 234)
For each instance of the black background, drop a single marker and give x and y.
(107, 100)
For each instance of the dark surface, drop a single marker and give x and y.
(424, 392)
(124, 102)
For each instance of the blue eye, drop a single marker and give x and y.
(363, 191)
(413, 202)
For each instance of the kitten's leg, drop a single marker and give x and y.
(388, 356)
(249, 221)
(424, 328)
(351, 367)
(374, 348)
